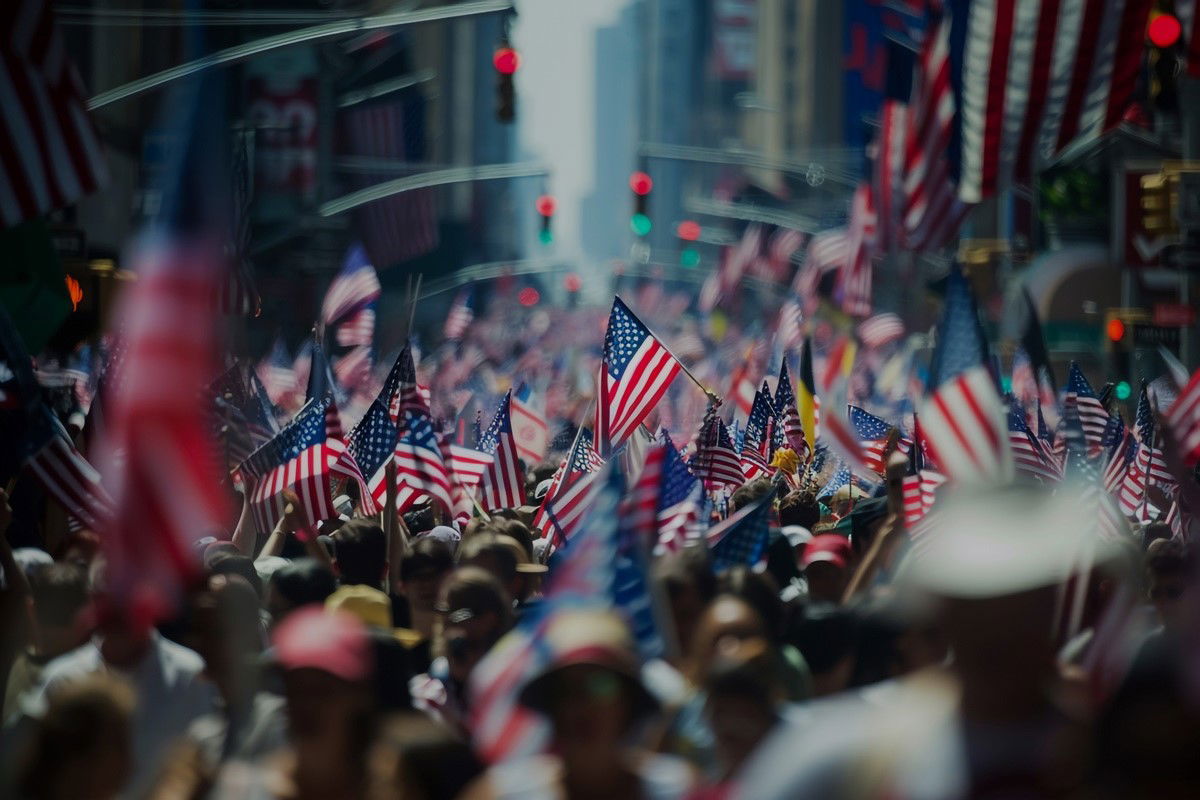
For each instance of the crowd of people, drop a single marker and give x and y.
(338, 662)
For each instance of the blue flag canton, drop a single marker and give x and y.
(1114, 432)
(403, 372)
(305, 431)
(501, 424)
(760, 415)
(1016, 416)
(677, 483)
(744, 543)
(373, 440)
(583, 455)
(419, 430)
(1078, 466)
(356, 259)
(960, 343)
(837, 480)
(867, 426)
(785, 398)
(1077, 383)
(624, 337)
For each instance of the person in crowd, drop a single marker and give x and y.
(389, 645)
(742, 708)
(1169, 569)
(827, 636)
(689, 585)
(81, 745)
(476, 611)
(326, 667)
(799, 507)
(415, 758)
(748, 493)
(423, 570)
(491, 553)
(592, 696)
(59, 595)
(168, 679)
(827, 565)
(300, 583)
(762, 594)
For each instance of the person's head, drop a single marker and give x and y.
(59, 592)
(742, 697)
(591, 690)
(1168, 573)
(226, 634)
(761, 592)
(826, 564)
(689, 584)
(300, 583)
(417, 759)
(423, 570)
(489, 553)
(725, 626)
(419, 520)
(325, 661)
(1155, 531)
(748, 493)
(361, 552)
(81, 746)
(827, 635)
(476, 611)
(799, 507)
(237, 564)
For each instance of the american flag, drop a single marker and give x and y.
(964, 420)
(932, 210)
(50, 153)
(354, 288)
(572, 491)
(741, 540)
(782, 245)
(1183, 418)
(756, 449)
(788, 329)
(1029, 457)
(460, 316)
(420, 471)
(353, 368)
(741, 387)
(1091, 411)
(788, 413)
(469, 464)
(874, 433)
(839, 478)
(357, 329)
(1024, 382)
(715, 460)
(530, 430)
(639, 505)
(1119, 461)
(401, 389)
(277, 373)
(679, 500)
(299, 459)
(1035, 76)
(42, 442)
(502, 484)
(372, 443)
(462, 506)
(242, 413)
(401, 226)
(889, 146)
(636, 372)
(827, 251)
(735, 261)
(1150, 440)
(854, 276)
(919, 493)
(880, 330)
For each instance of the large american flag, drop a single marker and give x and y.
(756, 450)
(405, 225)
(635, 374)
(1030, 458)
(1034, 76)
(787, 413)
(50, 153)
(502, 484)
(1183, 418)
(874, 433)
(420, 471)
(400, 387)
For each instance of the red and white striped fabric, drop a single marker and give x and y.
(354, 287)
(827, 251)
(919, 493)
(888, 172)
(502, 484)
(1030, 459)
(72, 482)
(880, 330)
(460, 495)
(715, 461)
(530, 431)
(932, 211)
(420, 471)
(854, 277)
(1140, 474)
(1183, 419)
(358, 329)
(459, 318)
(566, 507)
(964, 425)
(468, 464)
(50, 153)
(639, 506)
(1037, 75)
(782, 245)
(354, 368)
(788, 329)
(742, 388)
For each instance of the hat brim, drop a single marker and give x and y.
(532, 569)
(538, 694)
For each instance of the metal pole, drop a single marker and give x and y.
(441, 177)
(241, 52)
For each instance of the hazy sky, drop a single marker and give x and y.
(555, 102)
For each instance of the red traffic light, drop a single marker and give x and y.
(1115, 329)
(572, 282)
(640, 183)
(688, 230)
(529, 296)
(546, 205)
(1164, 30)
(506, 60)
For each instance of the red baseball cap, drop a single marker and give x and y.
(331, 641)
(831, 547)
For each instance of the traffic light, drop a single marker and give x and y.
(641, 184)
(1119, 324)
(1163, 60)
(545, 207)
(1160, 203)
(506, 61)
(688, 232)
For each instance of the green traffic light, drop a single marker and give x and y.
(689, 257)
(640, 224)
(545, 237)
(1123, 390)
(1005, 384)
